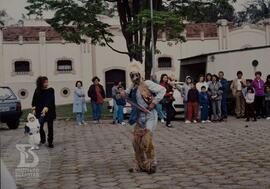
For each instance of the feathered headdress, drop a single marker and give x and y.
(136, 67)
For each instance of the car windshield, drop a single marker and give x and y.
(6, 93)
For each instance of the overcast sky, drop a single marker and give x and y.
(15, 8)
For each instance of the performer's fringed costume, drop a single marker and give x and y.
(144, 96)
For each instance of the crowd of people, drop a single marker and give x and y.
(206, 99)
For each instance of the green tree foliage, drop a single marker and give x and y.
(75, 19)
(258, 10)
(200, 11)
(3, 15)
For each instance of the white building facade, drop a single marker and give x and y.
(234, 49)
(30, 51)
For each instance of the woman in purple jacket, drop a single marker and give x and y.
(258, 85)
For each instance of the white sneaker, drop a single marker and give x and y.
(84, 123)
(79, 124)
(187, 122)
(34, 148)
(268, 118)
(162, 121)
(123, 123)
(208, 121)
(203, 121)
(194, 121)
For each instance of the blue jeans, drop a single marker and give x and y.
(186, 109)
(204, 112)
(120, 114)
(224, 109)
(160, 111)
(115, 110)
(80, 117)
(96, 110)
(216, 108)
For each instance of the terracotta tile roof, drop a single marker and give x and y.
(30, 33)
(209, 29)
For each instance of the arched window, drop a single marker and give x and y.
(64, 65)
(114, 75)
(164, 62)
(22, 66)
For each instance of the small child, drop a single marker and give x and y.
(267, 102)
(248, 85)
(32, 129)
(250, 109)
(204, 102)
(121, 102)
(193, 104)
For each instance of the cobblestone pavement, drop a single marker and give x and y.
(232, 155)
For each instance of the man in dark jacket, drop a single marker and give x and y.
(97, 94)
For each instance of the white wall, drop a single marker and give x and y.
(1, 59)
(107, 59)
(197, 47)
(230, 63)
(172, 51)
(43, 62)
(246, 37)
(12, 52)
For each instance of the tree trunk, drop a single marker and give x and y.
(128, 12)
(148, 53)
(148, 65)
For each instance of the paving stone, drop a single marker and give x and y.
(162, 178)
(187, 183)
(108, 184)
(90, 187)
(150, 186)
(210, 156)
(248, 183)
(128, 185)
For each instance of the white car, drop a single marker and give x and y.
(126, 110)
(178, 104)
